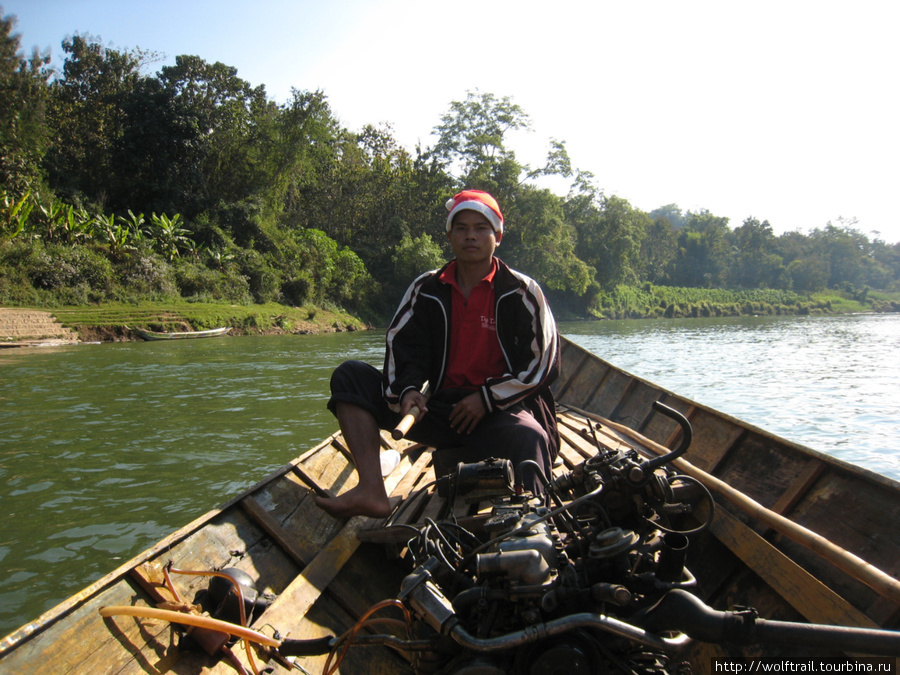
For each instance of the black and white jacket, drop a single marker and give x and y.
(419, 335)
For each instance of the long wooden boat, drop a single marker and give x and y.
(183, 335)
(648, 560)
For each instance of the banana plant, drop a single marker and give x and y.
(135, 224)
(51, 215)
(169, 238)
(78, 224)
(112, 232)
(63, 222)
(217, 257)
(15, 213)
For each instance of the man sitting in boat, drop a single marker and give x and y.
(483, 338)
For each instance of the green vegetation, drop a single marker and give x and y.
(190, 186)
(654, 302)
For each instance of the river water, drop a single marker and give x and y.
(830, 383)
(105, 449)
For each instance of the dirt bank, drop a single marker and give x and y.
(29, 327)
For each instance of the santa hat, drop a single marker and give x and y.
(476, 200)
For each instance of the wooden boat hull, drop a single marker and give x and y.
(325, 574)
(848, 506)
(150, 335)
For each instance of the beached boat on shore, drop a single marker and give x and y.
(669, 522)
(183, 335)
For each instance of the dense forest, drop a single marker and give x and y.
(190, 183)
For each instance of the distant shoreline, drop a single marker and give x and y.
(109, 322)
(26, 327)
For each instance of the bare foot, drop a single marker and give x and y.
(356, 502)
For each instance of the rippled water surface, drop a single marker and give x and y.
(105, 449)
(831, 383)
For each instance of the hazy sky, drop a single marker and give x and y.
(784, 110)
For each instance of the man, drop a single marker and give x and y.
(483, 337)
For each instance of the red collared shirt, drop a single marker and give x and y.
(475, 352)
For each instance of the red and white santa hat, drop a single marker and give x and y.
(476, 200)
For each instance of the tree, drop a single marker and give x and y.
(703, 251)
(792, 246)
(472, 142)
(659, 248)
(558, 161)
(845, 248)
(887, 257)
(156, 155)
(369, 195)
(755, 263)
(541, 244)
(808, 274)
(228, 116)
(414, 256)
(86, 114)
(301, 143)
(333, 273)
(672, 213)
(23, 97)
(838, 255)
(609, 237)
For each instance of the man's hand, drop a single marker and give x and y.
(413, 398)
(467, 413)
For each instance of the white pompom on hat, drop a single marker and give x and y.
(476, 200)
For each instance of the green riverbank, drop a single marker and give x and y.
(109, 322)
(657, 302)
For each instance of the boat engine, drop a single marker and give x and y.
(559, 585)
(589, 579)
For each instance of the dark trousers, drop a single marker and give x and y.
(512, 434)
